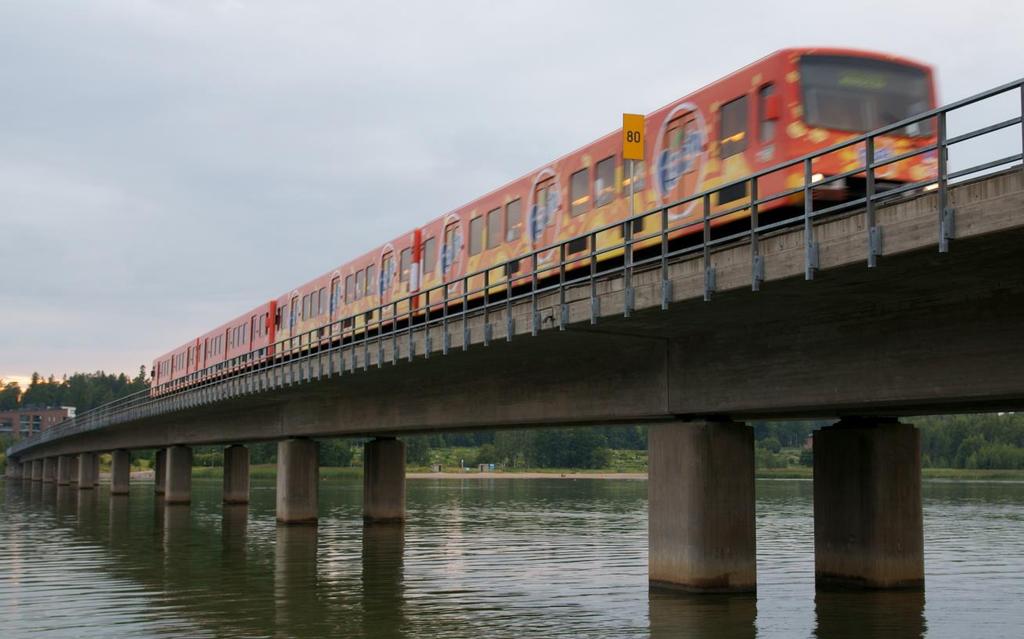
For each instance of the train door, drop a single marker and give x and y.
(335, 297)
(451, 257)
(544, 212)
(385, 285)
(293, 317)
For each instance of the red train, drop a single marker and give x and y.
(786, 105)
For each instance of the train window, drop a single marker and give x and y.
(579, 192)
(604, 181)
(405, 264)
(513, 220)
(314, 304)
(733, 127)
(371, 277)
(335, 295)
(349, 289)
(429, 255)
(360, 284)
(493, 228)
(323, 300)
(295, 312)
(765, 117)
(305, 307)
(255, 326)
(476, 235)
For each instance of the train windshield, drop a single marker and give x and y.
(861, 94)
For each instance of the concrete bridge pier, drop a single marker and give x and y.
(160, 471)
(178, 480)
(64, 470)
(868, 530)
(384, 481)
(701, 507)
(50, 470)
(74, 469)
(13, 469)
(37, 470)
(120, 471)
(88, 471)
(298, 471)
(236, 475)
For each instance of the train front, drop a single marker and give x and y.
(842, 95)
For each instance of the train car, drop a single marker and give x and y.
(238, 344)
(784, 106)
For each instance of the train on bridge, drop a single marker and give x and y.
(784, 106)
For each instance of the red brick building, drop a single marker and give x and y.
(33, 419)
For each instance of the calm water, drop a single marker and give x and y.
(497, 558)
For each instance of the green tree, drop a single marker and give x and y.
(10, 394)
(335, 452)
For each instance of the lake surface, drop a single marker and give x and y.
(477, 558)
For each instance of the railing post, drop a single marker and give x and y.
(534, 313)
(595, 303)
(756, 260)
(487, 307)
(666, 285)
(709, 271)
(627, 268)
(874, 233)
(810, 246)
(945, 211)
(465, 312)
(563, 309)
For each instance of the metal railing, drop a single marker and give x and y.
(477, 294)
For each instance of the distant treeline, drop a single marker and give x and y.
(84, 391)
(972, 441)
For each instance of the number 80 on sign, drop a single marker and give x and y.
(632, 136)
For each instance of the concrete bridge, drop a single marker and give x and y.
(909, 304)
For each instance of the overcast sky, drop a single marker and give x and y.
(167, 165)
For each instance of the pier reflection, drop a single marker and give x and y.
(296, 597)
(680, 615)
(383, 575)
(856, 614)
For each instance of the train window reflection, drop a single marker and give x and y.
(733, 132)
(579, 192)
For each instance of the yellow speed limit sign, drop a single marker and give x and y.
(632, 136)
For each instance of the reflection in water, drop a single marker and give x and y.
(382, 579)
(35, 492)
(118, 520)
(682, 615)
(475, 559)
(295, 568)
(234, 525)
(49, 497)
(67, 500)
(177, 544)
(854, 614)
